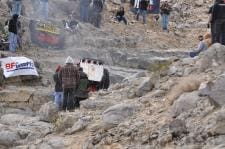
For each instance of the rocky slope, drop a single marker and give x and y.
(160, 98)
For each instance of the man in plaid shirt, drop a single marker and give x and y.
(70, 80)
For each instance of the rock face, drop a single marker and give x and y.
(185, 102)
(48, 112)
(116, 114)
(145, 86)
(8, 138)
(218, 123)
(217, 91)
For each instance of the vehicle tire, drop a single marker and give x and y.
(105, 80)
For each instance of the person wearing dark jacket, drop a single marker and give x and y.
(97, 9)
(70, 81)
(81, 93)
(143, 10)
(165, 10)
(120, 15)
(13, 30)
(217, 21)
(58, 88)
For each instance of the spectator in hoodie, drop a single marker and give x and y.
(13, 30)
(70, 79)
(120, 15)
(58, 88)
(143, 10)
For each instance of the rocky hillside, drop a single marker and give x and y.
(159, 98)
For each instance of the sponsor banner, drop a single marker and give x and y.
(93, 71)
(17, 66)
(154, 6)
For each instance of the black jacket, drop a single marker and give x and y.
(13, 24)
(82, 90)
(120, 13)
(144, 5)
(58, 82)
(97, 6)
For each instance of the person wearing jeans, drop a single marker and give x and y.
(120, 15)
(58, 88)
(16, 7)
(165, 12)
(43, 9)
(70, 79)
(143, 10)
(13, 30)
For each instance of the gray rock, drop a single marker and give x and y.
(217, 92)
(118, 113)
(199, 2)
(79, 126)
(118, 2)
(145, 86)
(177, 128)
(184, 103)
(48, 112)
(15, 119)
(9, 138)
(95, 104)
(218, 123)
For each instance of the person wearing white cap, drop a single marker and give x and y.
(70, 81)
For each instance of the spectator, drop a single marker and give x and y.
(43, 9)
(120, 15)
(84, 9)
(70, 80)
(58, 88)
(165, 12)
(208, 39)
(217, 21)
(202, 46)
(143, 10)
(16, 7)
(1, 76)
(97, 9)
(13, 30)
(136, 6)
(81, 92)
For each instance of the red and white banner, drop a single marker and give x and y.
(18, 66)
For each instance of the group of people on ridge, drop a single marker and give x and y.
(71, 85)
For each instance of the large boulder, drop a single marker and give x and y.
(184, 103)
(214, 54)
(217, 126)
(48, 112)
(118, 113)
(8, 138)
(145, 86)
(14, 94)
(217, 91)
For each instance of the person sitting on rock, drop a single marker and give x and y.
(70, 79)
(81, 93)
(202, 46)
(58, 88)
(120, 15)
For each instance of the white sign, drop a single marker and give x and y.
(18, 66)
(93, 71)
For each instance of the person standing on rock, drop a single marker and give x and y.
(81, 93)
(143, 10)
(70, 79)
(43, 9)
(165, 10)
(84, 9)
(16, 7)
(13, 30)
(58, 88)
(217, 21)
(97, 9)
